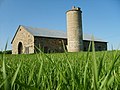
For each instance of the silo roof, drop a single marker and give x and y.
(57, 34)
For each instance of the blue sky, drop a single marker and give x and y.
(100, 17)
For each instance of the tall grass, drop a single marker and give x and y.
(61, 71)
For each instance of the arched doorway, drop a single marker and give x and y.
(20, 48)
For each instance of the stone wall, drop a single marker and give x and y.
(24, 37)
(99, 46)
(47, 44)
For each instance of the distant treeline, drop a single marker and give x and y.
(6, 52)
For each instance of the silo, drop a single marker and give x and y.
(74, 30)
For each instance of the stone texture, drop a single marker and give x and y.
(47, 44)
(74, 30)
(25, 38)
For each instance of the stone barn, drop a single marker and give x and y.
(27, 38)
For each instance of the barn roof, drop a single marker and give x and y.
(45, 32)
(56, 34)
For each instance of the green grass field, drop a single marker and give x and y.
(61, 71)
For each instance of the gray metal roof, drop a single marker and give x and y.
(90, 37)
(45, 32)
(57, 34)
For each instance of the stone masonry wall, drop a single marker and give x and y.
(50, 44)
(99, 46)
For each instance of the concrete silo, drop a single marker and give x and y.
(74, 30)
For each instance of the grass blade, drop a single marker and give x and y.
(4, 75)
(15, 75)
(4, 82)
(31, 74)
(101, 64)
(27, 87)
(39, 73)
(4, 68)
(95, 72)
(106, 79)
(86, 67)
(85, 76)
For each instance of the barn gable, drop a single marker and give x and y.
(22, 41)
(19, 27)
